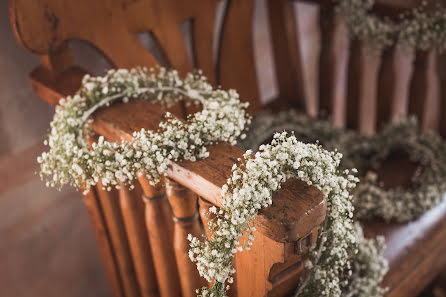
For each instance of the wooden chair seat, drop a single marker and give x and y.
(415, 251)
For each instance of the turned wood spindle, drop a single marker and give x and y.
(422, 98)
(159, 227)
(132, 209)
(386, 87)
(110, 204)
(104, 243)
(441, 70)
(287, 52)
(185, 214)
(362, 87)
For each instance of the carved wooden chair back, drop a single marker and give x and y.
(45, 27)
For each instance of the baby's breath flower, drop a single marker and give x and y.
(70, 161)
(251, 187)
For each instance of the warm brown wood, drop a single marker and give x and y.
(44, 27)
(236, 67)
(254, 268)
(132, 209)
(327, 60)
(287, 53)
(206, 216)
(333, 62)
(422, 97)
(355, 70)
(109, 201)
(206, 177)
(362, 88)
(159, 227)
(415, 251)
(104, 242)
(441, 69)
(386, 87)
(186, 221)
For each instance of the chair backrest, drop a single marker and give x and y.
(111, 26)
(359, 87)
(355, 88)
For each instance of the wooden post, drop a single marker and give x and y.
(132, 209)
(362, 87)
(104, 242)
(386, 87)
(159, 227)
(186, 221)
(110, 205)
(422, 98)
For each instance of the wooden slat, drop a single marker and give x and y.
(236, 64)
(306, 206)
(355, 69)
(203, 39)
(159, 227)
(132, 209)
(362, 86)
(333, 62)
(109, 202)
(287, 52)
(186, 221)
(386, 87)
(422, 97)
(104, 242)
(441, 70)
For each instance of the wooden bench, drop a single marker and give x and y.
(142, 241)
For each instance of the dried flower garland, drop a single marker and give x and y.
(418, 29)
(366, 154)
(250, 189)
(70, 161)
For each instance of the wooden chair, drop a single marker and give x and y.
(142, 241)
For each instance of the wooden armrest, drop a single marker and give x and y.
(297, 208)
